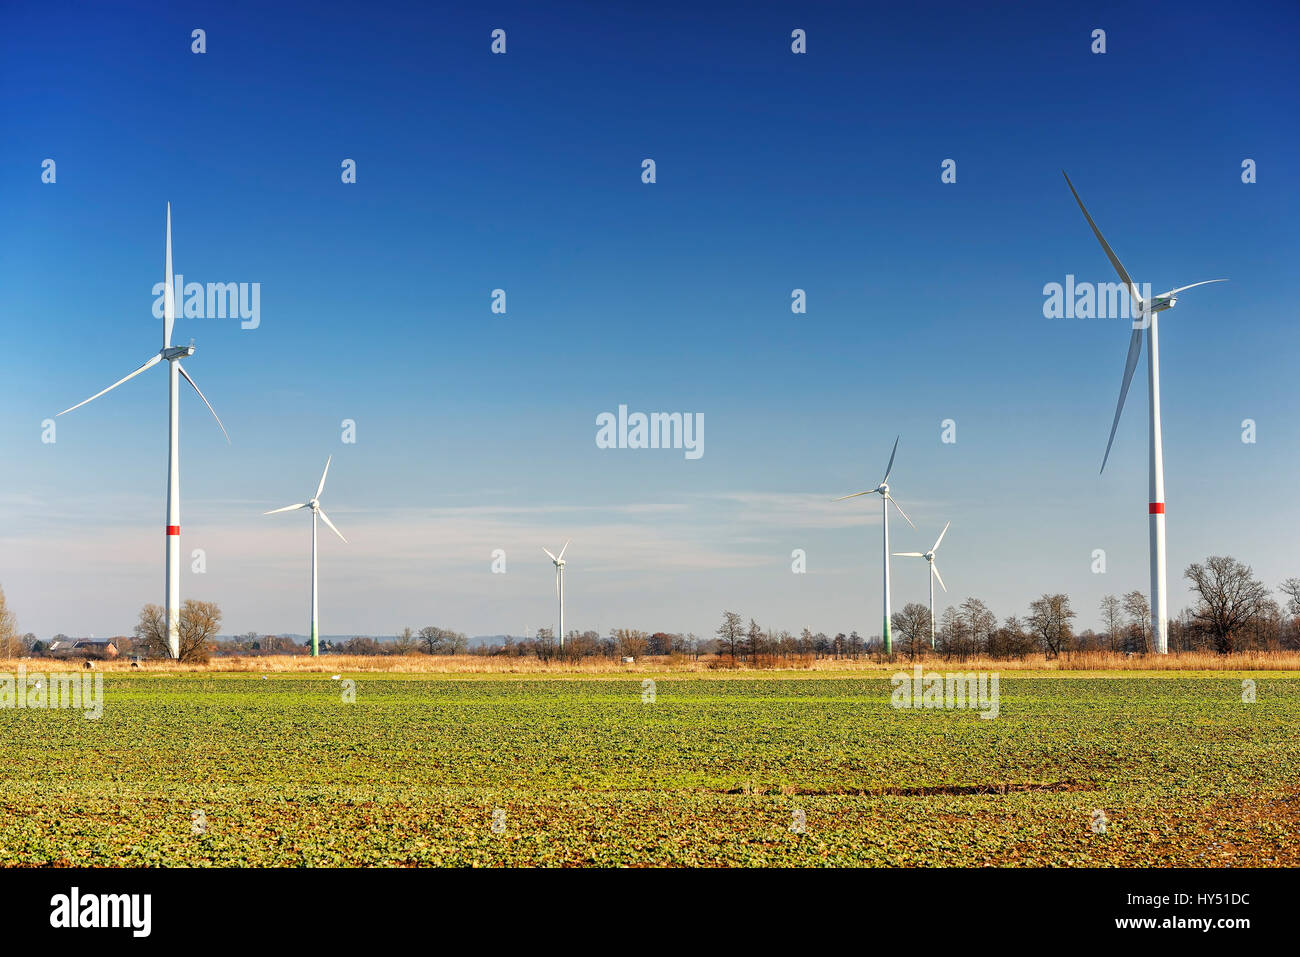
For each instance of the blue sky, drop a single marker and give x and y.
(775, 171)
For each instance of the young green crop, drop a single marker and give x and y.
(418, 769)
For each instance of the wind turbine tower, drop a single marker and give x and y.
(313, 503)
(934, 573)
(1145, 312)
(559, 584)
(175, 371)
(885, 498)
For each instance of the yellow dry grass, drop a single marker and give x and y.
(715, 667)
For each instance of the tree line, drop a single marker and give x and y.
(1233, 611)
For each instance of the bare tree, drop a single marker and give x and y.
(913, 627)
(1291, 588)
(980, 623)
(631, 643)
(443, 641)
(1112, 619)
(954, 634)
(199, 622)
(1138, 610)
(1231, 598)
(10, 644)
(405, 643)
(731, 632)
(1049, 620)
(754, 642)
(1011, 640)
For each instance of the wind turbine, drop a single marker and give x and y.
(885, 499)
(934, 573)
(173, 355)
(1146, 311)
(559, 583)
(313, 503)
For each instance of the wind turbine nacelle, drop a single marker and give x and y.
(178, 352)
(1161, 303)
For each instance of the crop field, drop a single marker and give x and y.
(756, 769)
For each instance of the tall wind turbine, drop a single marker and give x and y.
(313, 503)
(173, 355)
(885, 499)
(1146, 312)
(559, 583)
(934, 573)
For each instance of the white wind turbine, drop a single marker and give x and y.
(173, 355)
(934, 573)
(314, 504)
(885, 499)
(559, 583)
(1146, 312)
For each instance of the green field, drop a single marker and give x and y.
(711, 773)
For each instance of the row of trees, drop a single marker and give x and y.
(738, 641)
(1234, 611)
(430, 640)
(621, 643)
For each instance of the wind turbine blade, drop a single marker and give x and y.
(909, 554)
(169, 290)
(321, 487)
(181, 369)
(1205, 282)
(287, 508)
(854, 495)
(940, 538)
(564, 549)
(890, 467)
(1134, 352)
(935, 568)
(548, 552)
(153, 361)
(1110, 253)
(900, 510)
(326, 519)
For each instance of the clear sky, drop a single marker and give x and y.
(775, 171)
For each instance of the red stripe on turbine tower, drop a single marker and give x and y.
(1156, 508)
(173, 529)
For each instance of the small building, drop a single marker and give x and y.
(90, 648)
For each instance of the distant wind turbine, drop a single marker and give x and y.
(314, 504)
(559, 583)
(1146, 311)
(934, 573)
(173, 355)
(885, 499)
